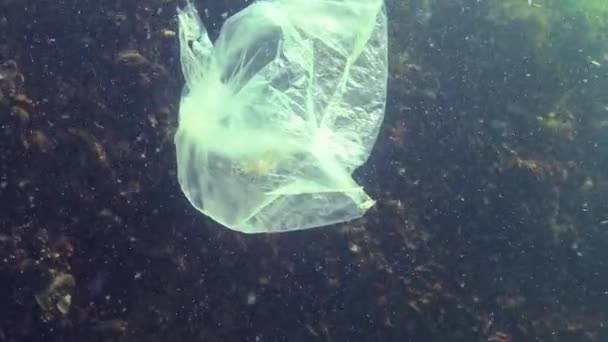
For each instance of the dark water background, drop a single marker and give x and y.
(491, 175)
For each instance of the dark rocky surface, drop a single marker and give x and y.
(491, 175)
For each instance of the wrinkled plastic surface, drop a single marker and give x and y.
(276, 115)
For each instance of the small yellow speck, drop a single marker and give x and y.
(165, 33)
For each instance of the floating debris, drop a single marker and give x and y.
(166, 33)
(130, 57)
(57, 297)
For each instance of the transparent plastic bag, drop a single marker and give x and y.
(276, 115)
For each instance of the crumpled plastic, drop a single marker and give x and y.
(277, 114)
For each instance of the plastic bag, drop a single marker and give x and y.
(276, 115)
